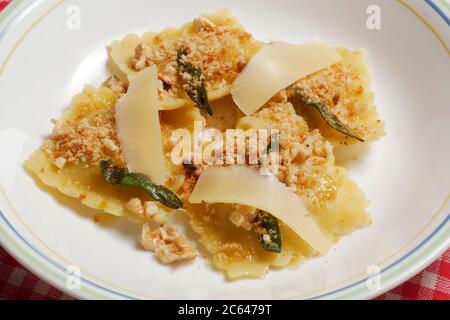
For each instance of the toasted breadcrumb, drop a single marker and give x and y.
(216, 49)
(300, 148)
(89, 141)
(344, 89)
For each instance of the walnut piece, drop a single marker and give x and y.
(203, 23)
(168, 245)
(149, 210)
(243, 216)
(139, 61)
(135, 205)
(89, 141)
(116, 85)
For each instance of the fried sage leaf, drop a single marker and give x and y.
(193, 81)
(268, 232)
(120, 176)
(329, 117)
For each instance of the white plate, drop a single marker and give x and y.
(406, 175)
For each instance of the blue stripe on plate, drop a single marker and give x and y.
(443, 223)
(63, 269)
(56, 264)
(439, 11)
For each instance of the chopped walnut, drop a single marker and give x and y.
(135, 206)
(243, 216)
(60, 162)
(116, 85)
(203, 23)
(155, 212)
(146, 239)
(168, 245)
(149, 210)
(139, 61)
(110, 145)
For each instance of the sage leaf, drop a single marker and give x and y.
(193, 81)
(268, 232)
(329, 117)
(120, 176)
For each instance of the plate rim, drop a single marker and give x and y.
(407, 265)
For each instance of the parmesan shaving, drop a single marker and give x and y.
(138, 127)
(275, 67)
(246, 186)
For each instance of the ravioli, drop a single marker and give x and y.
(344, 89)
(81, 138)
(216, 42)
(69, 160)
(332, 198)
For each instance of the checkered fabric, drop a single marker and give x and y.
(18, 283)
(3, 4)
(433, 283)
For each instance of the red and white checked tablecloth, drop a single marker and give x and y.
(18, 283)
(4, 3)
